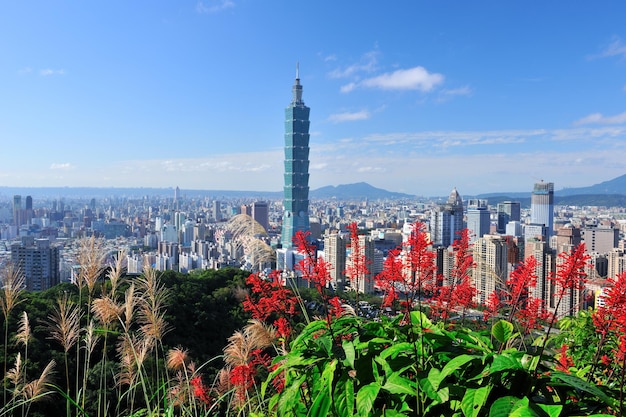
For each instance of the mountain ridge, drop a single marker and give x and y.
(611, 192)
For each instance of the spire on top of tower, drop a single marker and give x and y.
(297, 88)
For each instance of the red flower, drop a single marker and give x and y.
(199, 390)
(283, 328)
(570, 275)
(564, 360)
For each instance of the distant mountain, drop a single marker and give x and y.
(357, 191)
(611, 193)
(614, 186)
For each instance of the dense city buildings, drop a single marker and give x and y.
(508, 211)
(446, 220)
(194, 232)
(296, 189)
(478, 218)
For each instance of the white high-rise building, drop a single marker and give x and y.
(542, 207)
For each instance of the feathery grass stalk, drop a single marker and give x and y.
(151, 314)
(12, 287)
(65, 328)
(91, 339)
(106, 311)
(23, 337)
(36, 389)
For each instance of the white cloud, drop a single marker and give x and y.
(461, 91)
(416, 78)
(349, 116)
(47, 72)
(367, 64)
(64, 166)
(214, 6)
(347, 88)
(615, 48)
(599, 118)
(25, 70)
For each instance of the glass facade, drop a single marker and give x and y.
(296, 190)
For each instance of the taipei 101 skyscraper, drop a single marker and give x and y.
(296, 191)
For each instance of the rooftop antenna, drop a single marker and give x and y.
(298, 70)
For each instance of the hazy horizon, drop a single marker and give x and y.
(407, 96)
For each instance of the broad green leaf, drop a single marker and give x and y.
(504, 363)
(450, 367)
(393, 413)
(581, 384)
(348, 349)
(365, 398)
(504, 406)
(396, 349)
(344, 397)
(582, 372)
(321, 403)
(397, 384)
(502, 331)
(474, 400)
(290, 397)
(525, 411)
(418, 318)
(551, 410)
(326, 343)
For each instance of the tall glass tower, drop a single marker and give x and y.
(542, 206)
(296, 191)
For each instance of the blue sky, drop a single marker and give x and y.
(410, 96)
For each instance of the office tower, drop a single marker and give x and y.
(601, 239)
(542, 206)
(568, 235)
(490, 272)
(335, 257)
(446, 220)
(28, 211)
(478, 219)
(38, 261)
(545, 258)
(260, 213)
(216, 211)
(17, 210)
(508, 211)
(246, 209)
(296, 191)
(616, 263)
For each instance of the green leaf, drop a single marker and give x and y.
(344, 397)
(418, 318)
(502, 331)
(365, 398)
(397, 384)
(396, 349)
(325, 343)
(474, 400)
(389, 412)
(348, 349)
(551, 410)
(450, 367)
(323, 399)
(289, 399)
(504, 363)
(505, 406)
(581, 384)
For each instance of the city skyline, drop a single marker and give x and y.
(408, 97)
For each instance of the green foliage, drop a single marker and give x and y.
(392, 368)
